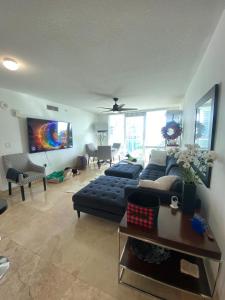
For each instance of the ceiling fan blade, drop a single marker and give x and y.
(116, 108)
(126, 109)
(104, 107)
(101, 94)
(107, 111)
(121, 106)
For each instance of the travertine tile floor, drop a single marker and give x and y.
(55, 256)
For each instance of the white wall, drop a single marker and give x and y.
(102, 124)
(211, 71)
(13, 131)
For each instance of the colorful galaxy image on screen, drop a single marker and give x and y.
(47, 135)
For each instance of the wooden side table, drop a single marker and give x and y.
(173, 232)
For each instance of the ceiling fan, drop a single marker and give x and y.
(117, 108)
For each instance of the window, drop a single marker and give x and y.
(135, 135)
(155, 120)
(116, 129)
(138, 133)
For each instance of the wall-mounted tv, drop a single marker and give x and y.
(47, 135)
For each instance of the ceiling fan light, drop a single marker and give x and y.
(10, 64)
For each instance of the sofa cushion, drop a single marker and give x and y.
(158, 157)
(106, 193)
(176, 171)
(124, 170)
(152, 172)
(177, 185)
(171, 162)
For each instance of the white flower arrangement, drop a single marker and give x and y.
(192, 155)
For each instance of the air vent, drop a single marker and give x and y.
(54, 108)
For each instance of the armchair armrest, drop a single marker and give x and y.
(165, 196)
(36, 168)
(20, 179)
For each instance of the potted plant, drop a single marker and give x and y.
(186, 158)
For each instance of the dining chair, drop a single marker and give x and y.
(91, 151)
(104, 154)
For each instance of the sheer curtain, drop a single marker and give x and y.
(155, 120)
(134, 135)
(116, 130)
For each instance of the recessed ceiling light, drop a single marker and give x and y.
(10, 64)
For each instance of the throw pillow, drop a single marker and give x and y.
(166, 182)
(158, 157)
(148, 184)
(163, 183)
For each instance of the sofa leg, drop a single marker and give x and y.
(78, 214)
(10, 188)
(44, 183)
(22, 192)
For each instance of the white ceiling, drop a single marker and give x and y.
(83, 52)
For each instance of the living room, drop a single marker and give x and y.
(70, 60)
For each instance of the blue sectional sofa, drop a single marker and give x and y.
(106, 196)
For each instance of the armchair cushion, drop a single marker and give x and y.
(30, 176)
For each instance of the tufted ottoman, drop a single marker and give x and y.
(125, 170)
(103, 197)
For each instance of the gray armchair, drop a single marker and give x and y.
(104, 154)
(91, 151)
(27, 171)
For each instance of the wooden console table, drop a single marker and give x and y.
(173, 232)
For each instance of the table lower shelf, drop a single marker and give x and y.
(168, 272)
